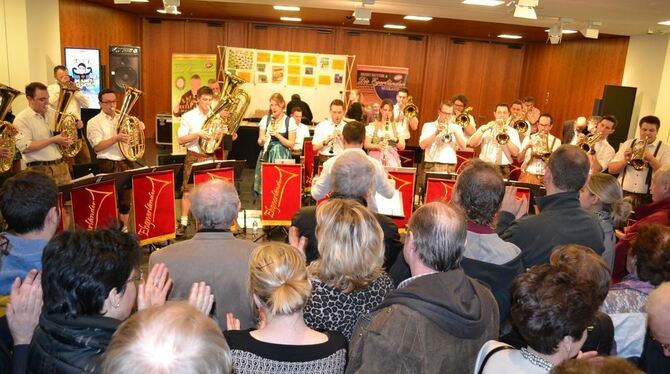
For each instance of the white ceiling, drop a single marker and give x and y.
(621, 17)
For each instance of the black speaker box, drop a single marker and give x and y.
(164, 129)
(618, 101)
(124, 67)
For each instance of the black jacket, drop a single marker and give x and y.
(305, 220)
(70, 344)
(561, 221)
(306, 112)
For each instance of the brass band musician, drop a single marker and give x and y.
(402, 98)
(601, 152)
(536, 149)
(327, 139)
(440, 140)
(384, 137)
(499, 141)
(460, 104)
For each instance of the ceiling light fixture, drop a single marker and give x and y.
(362, 16)
(290, 19)
(170, 7)
(394, 26)
(510, 36)
(665, 23)
(555, 33)
(139, 1)
(418, 18)
(483, 2)
(564, 31)
(287, 8)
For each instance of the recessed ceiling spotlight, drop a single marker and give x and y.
(139, 1)
(395, 27)
(288, 8)
(510, 36)
(418, 18)
(564, 31)
(483, 2)
(169, 9)
(665, 23)
(290, 19)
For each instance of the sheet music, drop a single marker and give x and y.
(204, 162)
(390, 207)
(87, 176)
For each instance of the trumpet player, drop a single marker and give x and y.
(536, 149)
(499, 141)
(36, 139)
(101, 132)
(384, 137)
(636, 183)
(532, 113)
(327, 139)
(460, 104)
(441, 139)
(401, 101)
(601, 151)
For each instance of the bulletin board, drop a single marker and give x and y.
(317, 78)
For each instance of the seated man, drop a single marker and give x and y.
(435, 321)
(351, 177)
(213, 255)
(561, 219)
(656, 355)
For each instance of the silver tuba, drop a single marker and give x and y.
(7, 139)
(233, 100)
(66, 123)
(126, 124)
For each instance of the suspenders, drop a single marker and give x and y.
(648, 178)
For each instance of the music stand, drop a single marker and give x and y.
(237, 165)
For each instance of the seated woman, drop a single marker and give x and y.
(89, 284)
(648, 265)
(603, 196)
(384, 137)
(551, 309)
(347, 280)
(283, 343)
(276, 135)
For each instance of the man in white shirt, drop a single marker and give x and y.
(536, 149)
(635, 183)
(460, 104)
(36, 140)
(189, 134)
(102, 134)
(602, 152)
(401, 101)
(327, 139)
(492, 150)
(354, 137)
(301, 132)
(78, 101)
(440, 140)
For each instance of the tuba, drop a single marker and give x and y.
(637, 158)
(410, 110)
(463, 119)
(7, 140)
(66, 123)
(126, 124)
(233, 100)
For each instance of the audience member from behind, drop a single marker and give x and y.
(656, 212)
(29, 205)
(648, 266)
(603, 196)
(352, 175)
(283, 344)
(348, 280)
(435, 321)
(213, 255)
(88, 284)
(600, 365)
(551, 309)
(172, 338)
(656, 354)
(561, 220)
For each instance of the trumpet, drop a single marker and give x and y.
(410, 111)
(541, 147)
(637, 158)
(589, 144)
(501, 135)
(463, 119)
(445, 134)
(521, 124)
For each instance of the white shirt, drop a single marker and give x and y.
(441, 151)
(535, 165)
(280, 126)
(192, 122)
(604, 153)
(34, 126)
(495, 153)
(102, 127)
(78, 101)
(384, 185)
(322, 131)
(636, 181)
(506, 361)
(399, 130)
(301, 133)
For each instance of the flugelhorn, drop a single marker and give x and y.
(588, 145)
(521, 124)
(463, 119)
(126, 124)
(541, 148)
(637, 158)
(66, 123)
(7, 139)
(410, 111)
(501, 135)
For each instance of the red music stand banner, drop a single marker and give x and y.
(202, 176)
(94, 205)
(439, 190)
(405, 180)
(463, 157)
(63, 216)
(523, 193)
(153, 199)
(308, 151)
(281, 194)
(407, 157)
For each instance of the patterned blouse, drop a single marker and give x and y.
(331, 309)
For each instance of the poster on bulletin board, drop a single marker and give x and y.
(317, 78)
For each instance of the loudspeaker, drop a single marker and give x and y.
(164, 129)
(618, 101)
(124, 67)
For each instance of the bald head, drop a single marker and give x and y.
(658, 312)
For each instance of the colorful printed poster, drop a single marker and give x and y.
(278, 58)
(324, 80)
(277, 74)
(377, 83)
(294, 69)
(294, 59)
(309, 60)
(263, 57)
(338, 64)
(293, 80)
(308, 81)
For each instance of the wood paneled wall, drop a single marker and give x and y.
(571, 75)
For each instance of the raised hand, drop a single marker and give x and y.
(23, 311)
(201, 297)
(154, 290)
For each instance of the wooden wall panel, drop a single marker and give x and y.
(269, 37)
(465, 71)
(500, 82)
(434, 77)
(367, 47)
(236, 34)
(203, 37)
(312, 41)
